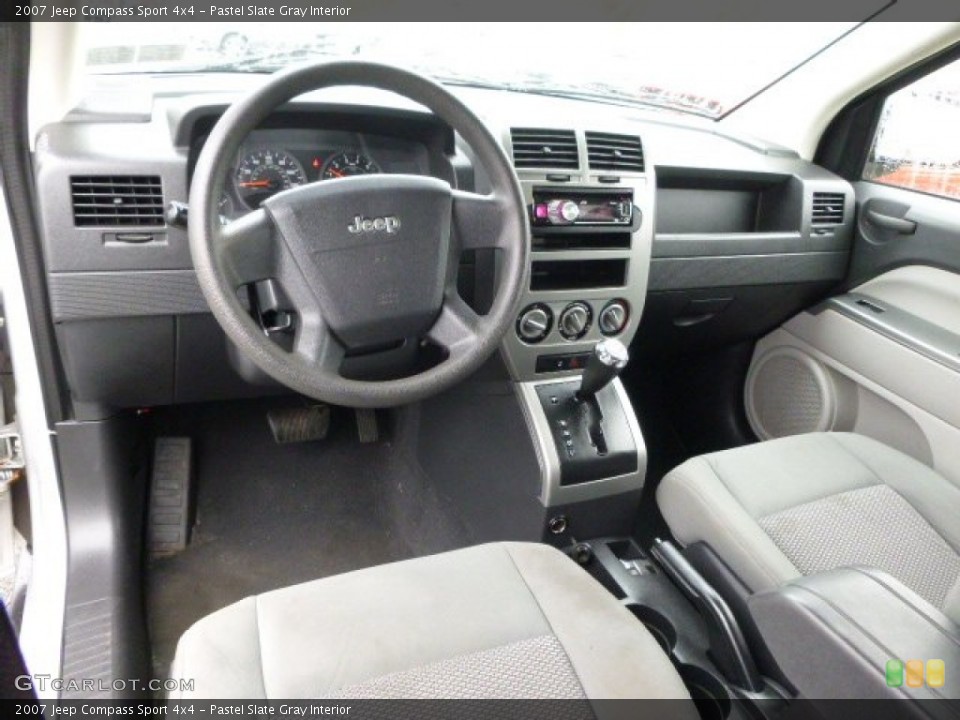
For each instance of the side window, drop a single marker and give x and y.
(917, 146)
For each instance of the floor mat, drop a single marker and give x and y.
(270, 515)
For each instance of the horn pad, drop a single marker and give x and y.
(374, 249)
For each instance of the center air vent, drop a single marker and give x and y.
(556, 149)
(115, 200)
(607, 151)
(828, 208)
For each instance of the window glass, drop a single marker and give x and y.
(703, 69)
(917, 145)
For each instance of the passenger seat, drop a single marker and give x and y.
(805, 504)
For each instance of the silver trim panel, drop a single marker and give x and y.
(907, 329)
(552, 493)
(521, 357)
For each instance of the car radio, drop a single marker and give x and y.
(553, 207)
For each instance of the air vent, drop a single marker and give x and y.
(607, 151)
(115, 200)
(555, 149)
(828, 208)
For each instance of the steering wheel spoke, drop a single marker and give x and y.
(317, 345)
(246, 249)
(478, 220)
(457, 328)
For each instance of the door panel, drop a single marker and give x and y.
(883, 358)
(870, 383)
(935, 239)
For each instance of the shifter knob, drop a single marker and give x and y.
(608, 359)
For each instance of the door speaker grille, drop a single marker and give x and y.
(789, 393)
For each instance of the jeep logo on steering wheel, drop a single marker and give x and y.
(390, 224)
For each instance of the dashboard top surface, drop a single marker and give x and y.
(172, 104)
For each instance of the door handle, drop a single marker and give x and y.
(889, 222)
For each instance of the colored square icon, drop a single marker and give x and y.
(914, 673)
(894, 673)
(936, 673)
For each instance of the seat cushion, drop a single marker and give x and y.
(808, 503)
(506, 620)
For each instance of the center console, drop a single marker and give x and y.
(590, 199)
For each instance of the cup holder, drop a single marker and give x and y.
(661, 628)
(708, 693)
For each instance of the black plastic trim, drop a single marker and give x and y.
(83, 295)
(737, 270)
(104, 495)
(197, 122)
(727, 643)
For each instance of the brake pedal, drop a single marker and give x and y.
(367, 427)
(301, 424)
(169, 513)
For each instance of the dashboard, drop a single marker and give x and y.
(278, 159)
(653, 229)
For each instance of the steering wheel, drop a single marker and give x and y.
(366, 261)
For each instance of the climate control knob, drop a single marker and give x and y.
(563, 212)
(613, 317)
(575, 320)
(534, 323)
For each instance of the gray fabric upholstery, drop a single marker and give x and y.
(418, 628)
(871, 526)
(532, 669)
(807, 503)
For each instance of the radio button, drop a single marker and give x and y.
(563, 212)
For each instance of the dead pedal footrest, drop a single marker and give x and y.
(169, 513)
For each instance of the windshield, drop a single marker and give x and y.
(700, 68)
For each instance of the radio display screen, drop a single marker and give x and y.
(572, 207)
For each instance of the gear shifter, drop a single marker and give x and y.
(589, 420)
(609, 358)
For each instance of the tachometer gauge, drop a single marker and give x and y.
(263, 173)
(346, 164)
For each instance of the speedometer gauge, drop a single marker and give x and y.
(346, 164)
(263, 173)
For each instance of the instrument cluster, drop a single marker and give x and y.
(272, 161)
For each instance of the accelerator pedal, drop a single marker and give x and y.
(169, 514)
(299, 424)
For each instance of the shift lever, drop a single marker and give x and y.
(609, 357)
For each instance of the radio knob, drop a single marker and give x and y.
(613, 318)
(534, 323)
(574, 321)
(563, 212)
